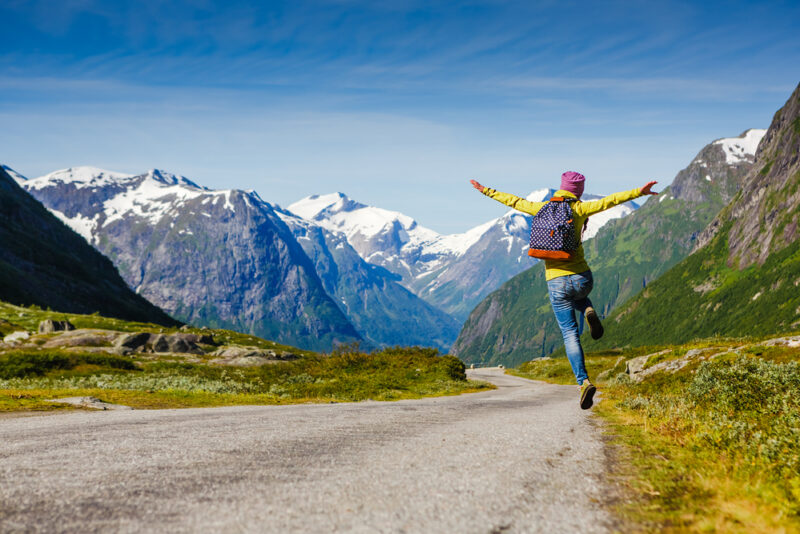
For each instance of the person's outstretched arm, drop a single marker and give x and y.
(518, 203)
(596, 206)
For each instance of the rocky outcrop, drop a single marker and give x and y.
(84, 337)
(16, 337)
(48, 326)
(248, 356)
(162, 343)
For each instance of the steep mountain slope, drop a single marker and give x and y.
(516, 323)
(452, 272)
(383, 311)
(13, 174)
(43, 262)
(744, 277)
(223, 259)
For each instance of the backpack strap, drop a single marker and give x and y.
(563, 199)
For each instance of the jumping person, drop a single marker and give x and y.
(569, 281)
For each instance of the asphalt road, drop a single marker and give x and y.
(522, 458)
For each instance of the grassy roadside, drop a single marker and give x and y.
(712, 446)
(28, 379)
(35, 370)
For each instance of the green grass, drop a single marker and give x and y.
(713, 447)
(28, 378)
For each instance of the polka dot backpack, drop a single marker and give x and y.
(553, 235)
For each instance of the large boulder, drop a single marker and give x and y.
(16, 337)
(48, 326)
(248, 356)
(135, 341)
(162, 343)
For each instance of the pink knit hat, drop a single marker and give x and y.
(573, 182)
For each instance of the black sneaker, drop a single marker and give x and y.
(595, 326)
(587, 395)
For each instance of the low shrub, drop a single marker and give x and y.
(21, 364)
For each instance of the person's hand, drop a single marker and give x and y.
(477, 186)
(646, 189)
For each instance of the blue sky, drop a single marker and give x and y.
(397, 104)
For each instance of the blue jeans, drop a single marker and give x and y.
(568, 294)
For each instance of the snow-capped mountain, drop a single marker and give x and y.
(453, 272)
(382, 310)
(230, 258)
(216, 258)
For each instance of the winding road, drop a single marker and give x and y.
(521, 458)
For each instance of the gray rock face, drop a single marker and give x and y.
(218, 258)
(764, 217)
(48, 326)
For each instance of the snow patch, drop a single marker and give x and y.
(737, 149)
(80, 177)
(80, 225)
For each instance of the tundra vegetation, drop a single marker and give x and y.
(711, 431)
(34, 371)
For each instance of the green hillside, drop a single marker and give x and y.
(515, 323)
(745, 278)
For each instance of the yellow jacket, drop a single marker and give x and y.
(580, 210)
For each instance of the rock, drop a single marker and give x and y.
(637, 372)
(249, 356)
(605, 375)
(135, 341)
(158, 343)
(790, 341)
(83, 338)
(185, 328)
(634, 366)
(16, 337)
(90, 402)
(48, 326)
(203, 339)
(230, 352)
